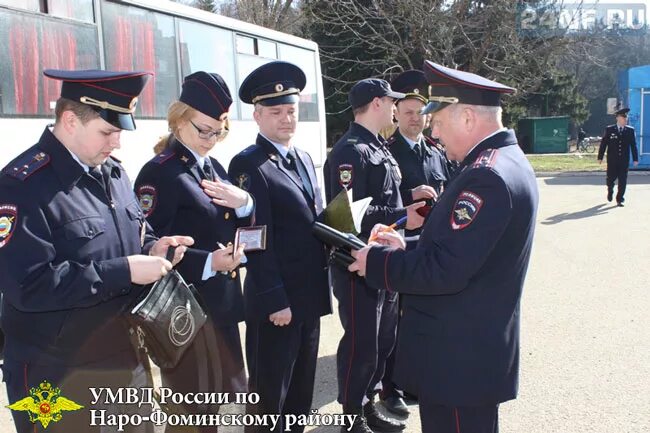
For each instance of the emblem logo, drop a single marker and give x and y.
(181, 326)
(45, 404)
(147, 199)
(345, 175)
(465, 210)
(244, 181)
(8, 214)
(279, 87)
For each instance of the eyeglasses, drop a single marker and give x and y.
(206, 135)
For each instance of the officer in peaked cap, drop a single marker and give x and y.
(361, 161)
(113, 95)
(461, 283)
(76, 251)
(185, 190)
(424, 173)
(619, 140)
(286, 288)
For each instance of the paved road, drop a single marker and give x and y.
(586, 318)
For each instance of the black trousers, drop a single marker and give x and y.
(617, 171)
(388, 387)
(74, 383)
(443, 419)
(369, 319)
(184, 378)
(282, 368)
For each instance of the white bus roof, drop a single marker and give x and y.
(166, 6)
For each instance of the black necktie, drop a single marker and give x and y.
(419, 151)
(96, 173)
(297, 167)
(207, 170)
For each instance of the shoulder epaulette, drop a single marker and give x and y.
(434, 143)
(163, 156)
(27, 164)
(352, 140)
(487, 158)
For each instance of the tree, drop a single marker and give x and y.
(282, 15)
(206, 5)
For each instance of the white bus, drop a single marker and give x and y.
(169, 39)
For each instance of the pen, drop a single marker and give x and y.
(393, 226)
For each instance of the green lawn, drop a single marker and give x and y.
(568, 162)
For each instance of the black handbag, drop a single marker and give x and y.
(166, 318)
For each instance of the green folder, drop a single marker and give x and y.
(345, 215)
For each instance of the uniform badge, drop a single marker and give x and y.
(345, 175)
(244, 181)
(465, 210)
(8, 215)
(147, 198)
(45, 404)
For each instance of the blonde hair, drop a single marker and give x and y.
(177, 113)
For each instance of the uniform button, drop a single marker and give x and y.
(226, 215)
(233, 274)
(93, 291)
(90, 232)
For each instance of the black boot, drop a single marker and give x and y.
(359, 426)
(610, 195)
(395, 404)
(378, 422)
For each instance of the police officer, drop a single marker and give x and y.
(286, 288)
(458, 348)
(73, 250)
(360, 160)
(619, 140)
(421, 159)
(183, 190)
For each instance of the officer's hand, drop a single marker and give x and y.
(359, 265)
(635, 163)
(413, 219)
(162, 245)
(281, 318)
(391, 239)
(223, 259)
(424, 192)
(225, 194)
(147, 269)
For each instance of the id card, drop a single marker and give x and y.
(254, 237)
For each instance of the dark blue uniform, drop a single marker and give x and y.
(291, 272)
(618, 145)
(65, 277)
(170, 193)
(461, 285)
(359, 160)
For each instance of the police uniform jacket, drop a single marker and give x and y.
(431, 170)
(462, 283)
(63, 267)
(170, 192)
(359, 160)
(618, 146)
(291, 272)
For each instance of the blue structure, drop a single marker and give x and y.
(634, 92)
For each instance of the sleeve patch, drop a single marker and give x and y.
(465, 209)
(147, 196)
(345, 175)
(8, 220)
(244, 181)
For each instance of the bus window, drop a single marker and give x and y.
(207, 48)
(78, 9)
(305, 59)
(266, 49)
(30, 5)
(29, 49)
(137, 39)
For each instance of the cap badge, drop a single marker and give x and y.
(279, 87)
